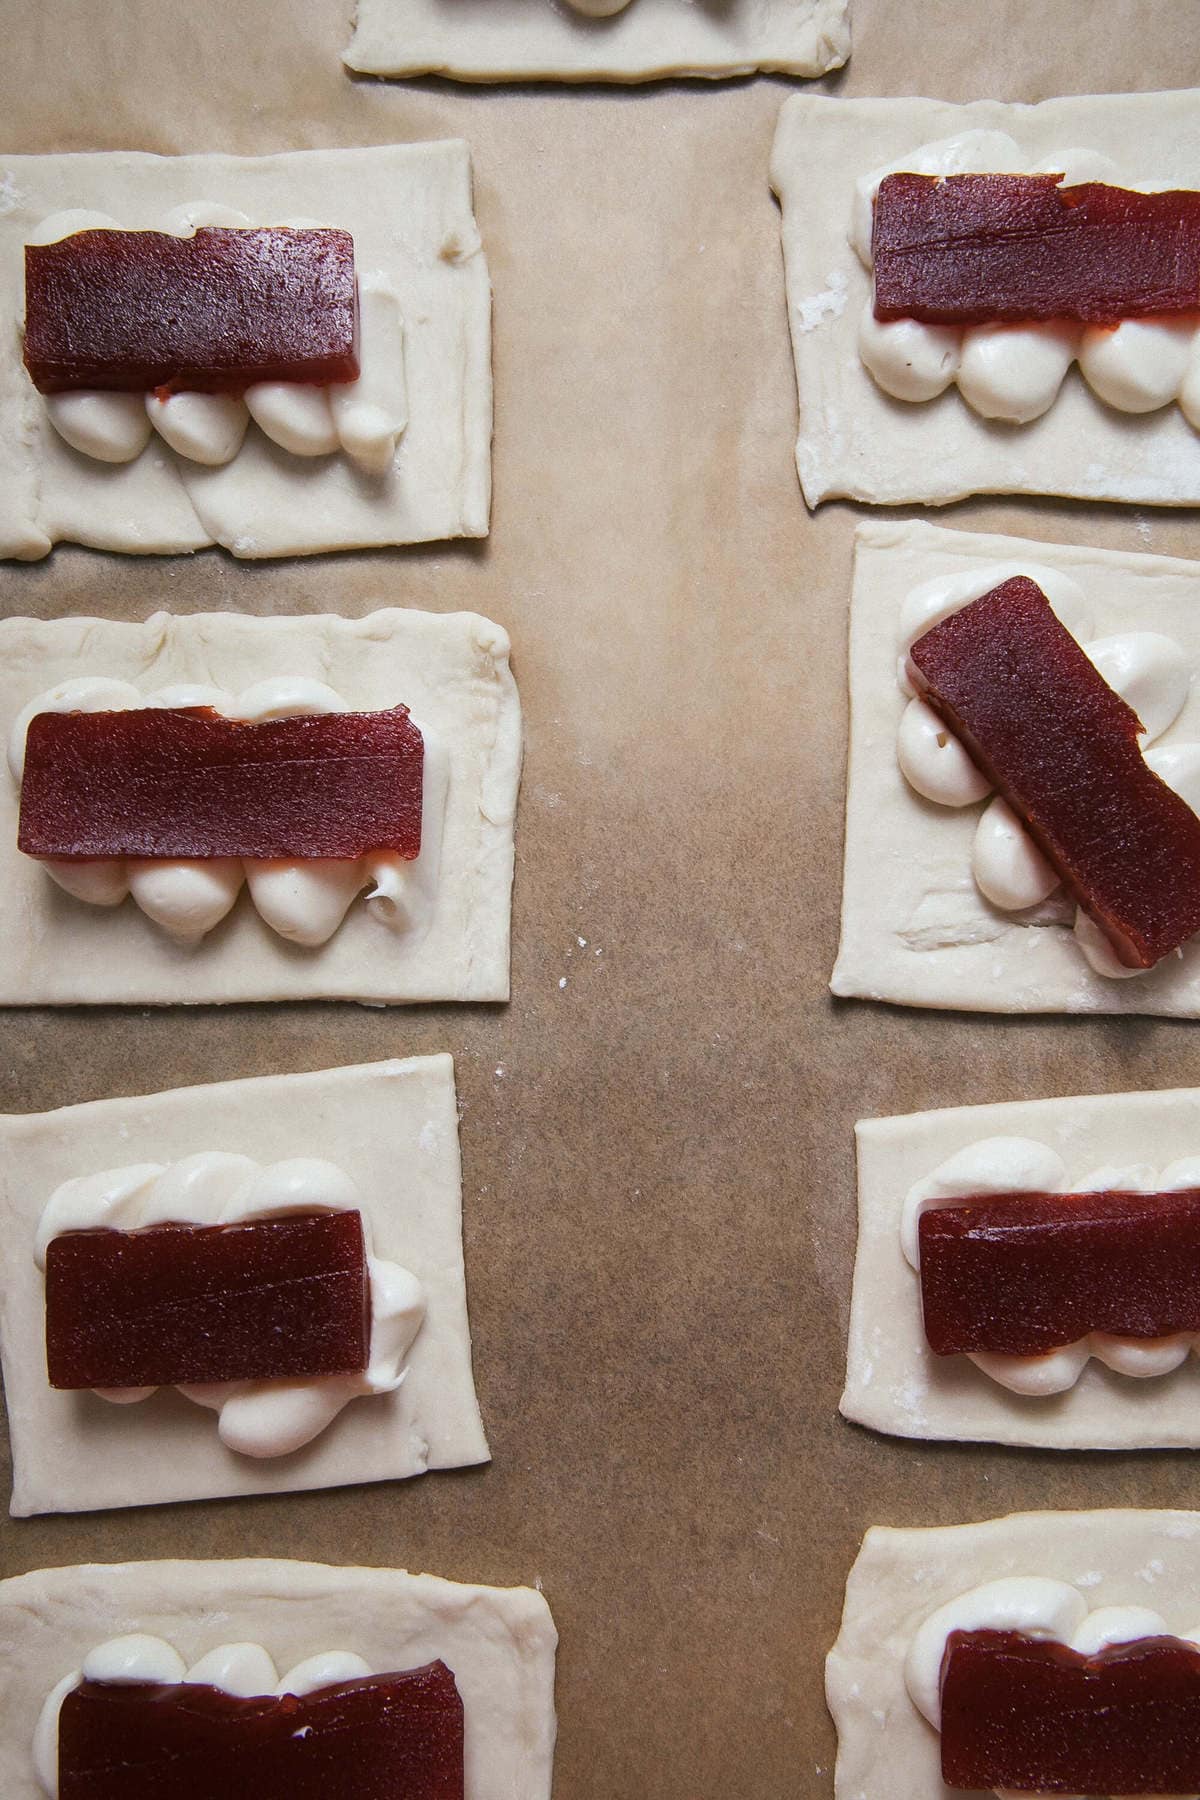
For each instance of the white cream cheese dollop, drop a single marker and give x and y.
(365, 418)
(1150, 672)
(1010, 1165)
(245, 1670)
(1013, 372)
(255, 1418)
(303, 900)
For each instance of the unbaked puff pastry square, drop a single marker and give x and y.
(499, 1643)
(1120, 1558)
(894, 1382)
(408, 208)
(916, 927)
(442, 934)
(598, 40)
(855, 440)
(384, 1134)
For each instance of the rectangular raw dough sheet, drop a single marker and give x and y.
(1118, 1558)
(499, 1643)
(408, 207)
(546, 40)
(451, 669)
(393, 1127)
(857, 441)
(915, 929)
(893, 1380)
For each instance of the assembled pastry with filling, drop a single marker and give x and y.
(253, 1291)
(1044, 1653)
(1032, 1692)
(282, 354)
(597, 40)
(251, 1287)
(198, 803)
(1029, 1273)
(179, 797)
(994, 298)
(1040, 724)
(272, 1680)
(998, 282)
(1025, 761)
(193, 336)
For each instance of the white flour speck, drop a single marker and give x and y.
(10, 194)
(1092, 1579)
(1152, 1570)
(813, 309)
(582, 942)
(562, 981)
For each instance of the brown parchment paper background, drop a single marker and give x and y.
(657, 1131)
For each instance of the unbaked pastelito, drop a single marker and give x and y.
(498, 1642)
(392, 1129)
(856, 440)
(450, 669)
(598, 40)
(925, 935)
(408, 208)
(895, 1383)
(1120, 1558)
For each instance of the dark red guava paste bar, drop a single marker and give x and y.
(131, 311)
(186, 782)
(970, 249)
(1061, 746)
(384, 1737)
(1027, 1273)
(1039, 1718)
(183, 1303)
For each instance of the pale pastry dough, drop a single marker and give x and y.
(893, 1380)
(408, 207)
(915, 928)
(499, 1643)
(856, 441)
(393, 1128)
(551, 40)
(450, 669)
(1117, 1558)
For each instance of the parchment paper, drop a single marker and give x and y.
(658, 1187)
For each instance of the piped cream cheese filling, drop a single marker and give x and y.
(1012, 1165)
(244, 1670)
(364, 419)
(1150, 672)
(1013, 372)
(254, 1418)
(599, 9)
(303, 900)
(1036, 1607)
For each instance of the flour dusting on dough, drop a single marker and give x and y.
(11, 196)
(813, 309)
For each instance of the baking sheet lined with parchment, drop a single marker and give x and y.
(657, 1131)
